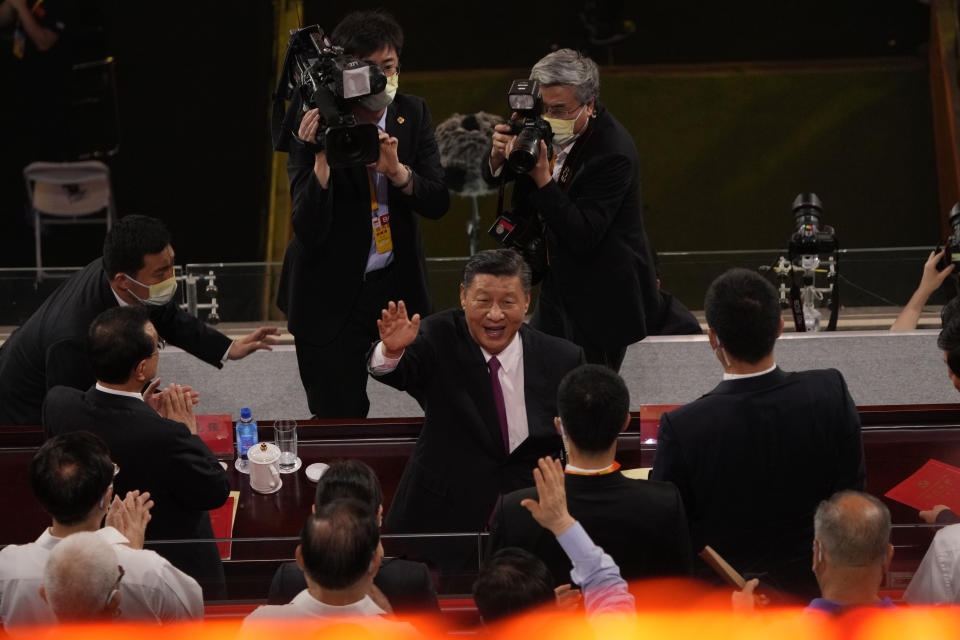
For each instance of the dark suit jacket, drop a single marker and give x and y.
(640, 523)
(407, 585)
(324, 265)
(753, 458)
(154, 454)
(459, 465)
(601, 270)
(51, 347)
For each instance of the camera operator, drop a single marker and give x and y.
(356, 242)
(599, 285)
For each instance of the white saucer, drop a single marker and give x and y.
(315, 470)
(266, 493)
(236, 465)
(296, 466)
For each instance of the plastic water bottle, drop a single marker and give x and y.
(246, 438)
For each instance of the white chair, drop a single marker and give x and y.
(64, 193)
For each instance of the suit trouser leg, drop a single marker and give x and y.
(551, 318)
(334, 374)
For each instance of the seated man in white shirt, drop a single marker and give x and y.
(72, 478)
(340, 553)
(937, 579)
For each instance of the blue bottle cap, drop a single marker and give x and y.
(245, 413)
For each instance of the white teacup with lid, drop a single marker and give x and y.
(264, 467)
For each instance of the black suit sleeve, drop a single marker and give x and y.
(852, 472)
(196, 477)
(582, 224)
(67, 364)
(287, 582)
(668, 463)
(415, 367)
(430, 197)
(312, 217)
(181, 329)
(682, 550)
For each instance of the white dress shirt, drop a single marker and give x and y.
(119, 392)
(937, 579)
(741, 376)
(511, 382)
(151, 590)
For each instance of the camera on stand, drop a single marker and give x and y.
(524, 231)
(318, 75)
(811, 253)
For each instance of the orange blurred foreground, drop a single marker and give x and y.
(778, 624)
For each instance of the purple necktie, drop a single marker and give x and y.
(494, 365)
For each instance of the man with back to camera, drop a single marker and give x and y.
(72, 479)
(589, 202)
(640, 523)
(753, 457)
(136, 269)
(488, 387)
(339, 553)
(407, 585)
(156, 444)
(356, 241)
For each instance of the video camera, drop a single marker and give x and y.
(812, 246)
(951, 245)
(318, 75)
(525, 123)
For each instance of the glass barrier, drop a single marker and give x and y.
(246, 291)
(249, 565)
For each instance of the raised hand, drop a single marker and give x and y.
(551, 510)
(397, 330)
(176, 403)
(130, 516)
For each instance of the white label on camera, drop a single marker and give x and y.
(356, 82)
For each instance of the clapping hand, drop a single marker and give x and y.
(130, 516)
(397, 330)
(176, 403)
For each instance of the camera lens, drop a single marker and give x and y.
(526, 150)
(807, 209)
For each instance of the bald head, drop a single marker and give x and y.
(853, 529)
(80, 574)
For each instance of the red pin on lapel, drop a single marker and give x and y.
(400, 120)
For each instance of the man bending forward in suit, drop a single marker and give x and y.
(488, 386)
(754, 457)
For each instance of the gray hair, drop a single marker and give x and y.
(569, 67)
(853, 528)
(79, 576)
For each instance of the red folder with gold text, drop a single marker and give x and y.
(216, 431)
(221, 520)
(932, 484)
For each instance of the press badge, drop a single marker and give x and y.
(381, 233)
(19, 43)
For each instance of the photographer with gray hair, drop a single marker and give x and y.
(585, 190)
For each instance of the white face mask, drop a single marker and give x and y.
(160, 293)
(563, 130)
(378, 101)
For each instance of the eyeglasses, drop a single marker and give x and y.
(116, 586)
(561, 112)
(161, 343)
